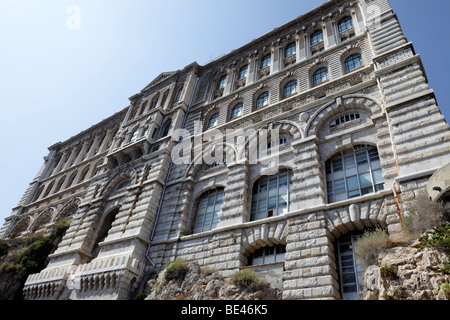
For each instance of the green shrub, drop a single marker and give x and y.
(61, 226)
(33, 257)
(140, 296)
(247, 278)
(369, 246)
(176, 270)
(438, 238)
(388, 272)
(424, 214)
(4, 247)
(445, 267)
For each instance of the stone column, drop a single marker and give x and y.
(235, 201)
(310, 264)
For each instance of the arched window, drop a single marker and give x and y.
(49, 188)
(350, 275)
(345, 24)
(102, 232)
(134, 135)
(262, 100)
(213, 120)
(166, 128)
(290, 88)
(84, 174)
(122, 185)
(154, 101)
(320, 76)
(237, 110)
(265, 62)
(353, 173)
(352, 62)
(221, 83)
(72, 179)
(208, 210)
(271, 195)
(178, 95)
(268, 254)
(290, 50)
(316, 37)
(243, 72)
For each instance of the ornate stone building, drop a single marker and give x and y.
(328, 125)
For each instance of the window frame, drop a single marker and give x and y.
(243, 72)
(264, 253)
(355, 66)
(290, 50)
(239, 105)
(343, 267)
(344, 22)
(315, 39)
(266, 61)
(214, 116)
(347, 175)
(263, 195)
(320, 70)
(290, 84)
(260, 97)
(214, 215)
(221, 82)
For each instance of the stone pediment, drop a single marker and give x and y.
(160, 78)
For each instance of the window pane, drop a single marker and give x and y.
(316, 37)
(265, 62)
(290, 50)
(272, 196)
(365, 180)
(353, 62)
(352, 183)
(349, 162)
(237, 110)
(337, 165)
(262, 100)
(339, 186)
(345, 24)
(320, 75)
(377, 177)
(243, 72)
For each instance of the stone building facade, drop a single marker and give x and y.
(328, 126)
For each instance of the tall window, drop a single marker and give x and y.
(267, 254)
(352, 62)
(349, 272)
(243, 72)
(265, 62)
(271, 195)
(317, 37)
(262, 100)
(320, 76)
(345, 24)
(290, 50)
(290, 88)
(208, 209)
(221, 83)
(166, 128)
(353, 173)
(237, 110)
(213, 120)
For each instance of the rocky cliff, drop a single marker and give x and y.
(200, 285)
(406, 273)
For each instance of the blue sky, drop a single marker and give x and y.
(56, 81)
